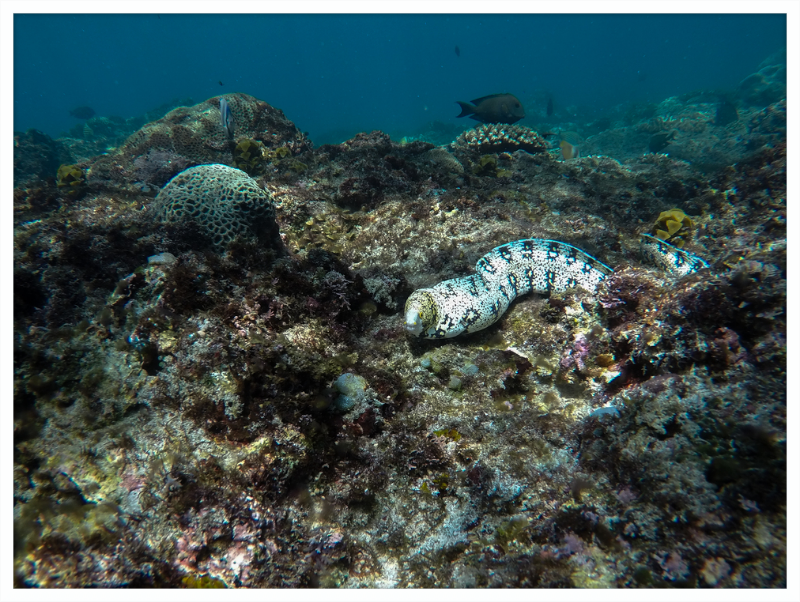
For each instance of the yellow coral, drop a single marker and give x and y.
(69, 175)
(248, 155)
(673, 226)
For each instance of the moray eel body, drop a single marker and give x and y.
(670, 258)
(474, 302)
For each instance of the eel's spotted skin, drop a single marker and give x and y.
(669, 258)
(474, 302)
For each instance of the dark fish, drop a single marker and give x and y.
(226, 117)
(83, 112)
(458, 51)
(726, 113)
(549, 106)
(495, 108)
(660, 141)
(220, 83)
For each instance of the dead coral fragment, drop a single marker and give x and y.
(499, 138)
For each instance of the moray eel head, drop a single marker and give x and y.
(421, 312)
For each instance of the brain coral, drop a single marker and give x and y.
(221, 201)
(500, 138)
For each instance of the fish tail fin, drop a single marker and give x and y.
(467, 108)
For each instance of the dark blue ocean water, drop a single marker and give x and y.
(334, 75)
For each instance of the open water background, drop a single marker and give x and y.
(335, 75)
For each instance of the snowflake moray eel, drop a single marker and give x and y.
(540, 265)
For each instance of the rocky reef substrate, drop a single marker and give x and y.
(258, 416)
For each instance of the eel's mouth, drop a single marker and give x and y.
(414, 322)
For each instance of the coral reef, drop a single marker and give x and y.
(157, 167)
(367, 170)
(688, 127)
(194, 135)
(37, 157)
(767, 85)
(240, 415)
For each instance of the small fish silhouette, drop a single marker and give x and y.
(458, 51)
(660, 141)
(220, 83)
(226, 117)
(82, 112)
(726, 113)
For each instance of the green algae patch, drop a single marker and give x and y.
(202, 582)
(248, 155)
(510, 530)
(451, 434)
